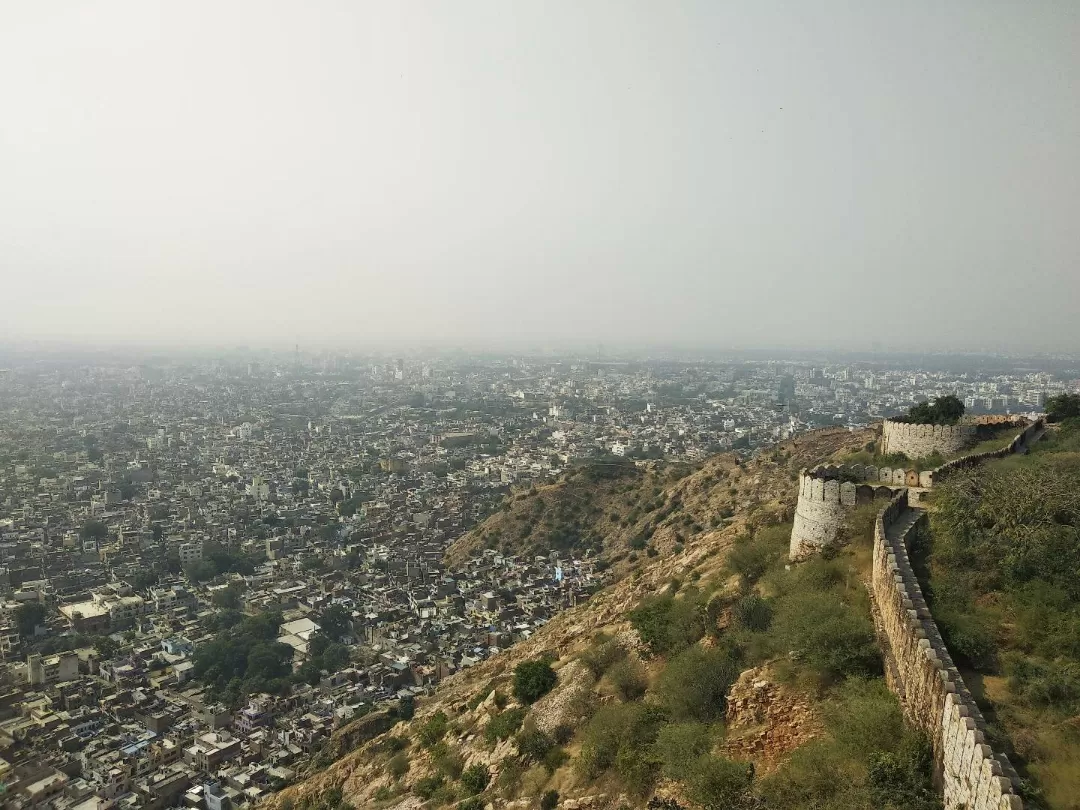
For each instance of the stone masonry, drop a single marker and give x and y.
(919, 441)
(919, 668)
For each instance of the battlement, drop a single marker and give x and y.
(826, 491)
(918, 441)
(933, 694)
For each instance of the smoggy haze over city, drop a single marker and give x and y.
(708, 174)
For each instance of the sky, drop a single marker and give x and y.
(715, 174)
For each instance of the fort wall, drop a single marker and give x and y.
(919, 441)
(932, 692)
(922, 673)
(827, 492)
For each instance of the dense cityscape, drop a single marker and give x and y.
(208, 565)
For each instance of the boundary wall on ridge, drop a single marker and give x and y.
(921, 671)
(825, 495)
(827, 491)
(932, 692)
(919, 441)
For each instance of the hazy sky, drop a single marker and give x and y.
(511, 172)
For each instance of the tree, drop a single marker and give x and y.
(475, 778)
(228, 597)
(945, 410)
(105, 647)
(28, 616)
(533, 679)
(1063, 406)
(94, 530)
(335, 621)
(201, 571)
(144, 579)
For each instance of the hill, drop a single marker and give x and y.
(709, 674)
(615, 507)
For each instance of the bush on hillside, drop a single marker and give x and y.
(827, 635)
(533, 679)
(679, 745)
(1062, 406)
(619, 737)
(503, 725)
(667, 624)
(602, 654)
(693, 686)
(475, 778)
(628, 678)
(720, 784)
(433, 729)
(752, 612)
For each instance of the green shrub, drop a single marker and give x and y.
(398, 765)
(475, 778)
(426, 786)
(748, 559)
(550, 800)
(503, 725)
(555, 758)
(901, 780)
(827, 634)
(628, 678)
(433, 729)
(533, 680)
(447, 760)
(534, 744)
(720, 784)
(1042, 683)
(667, 624)
(694, 684)
(752, 612)
(620, 737)
(600, 656)
(472, 803)
(679, 745)
(969, 640)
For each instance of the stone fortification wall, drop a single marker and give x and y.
(932, 691)
(918, 441)
(826, 493)
(935, 699)
(1020, 441)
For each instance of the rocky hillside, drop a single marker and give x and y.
(663, 527)
(613, 508)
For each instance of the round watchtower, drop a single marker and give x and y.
(919, 441)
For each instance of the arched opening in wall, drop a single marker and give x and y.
(864, 494)
(882, 494)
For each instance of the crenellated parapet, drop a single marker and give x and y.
(921, 671)
(919, 441)
(827, 492)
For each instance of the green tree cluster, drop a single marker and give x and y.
(945, 410)
(245, 659)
